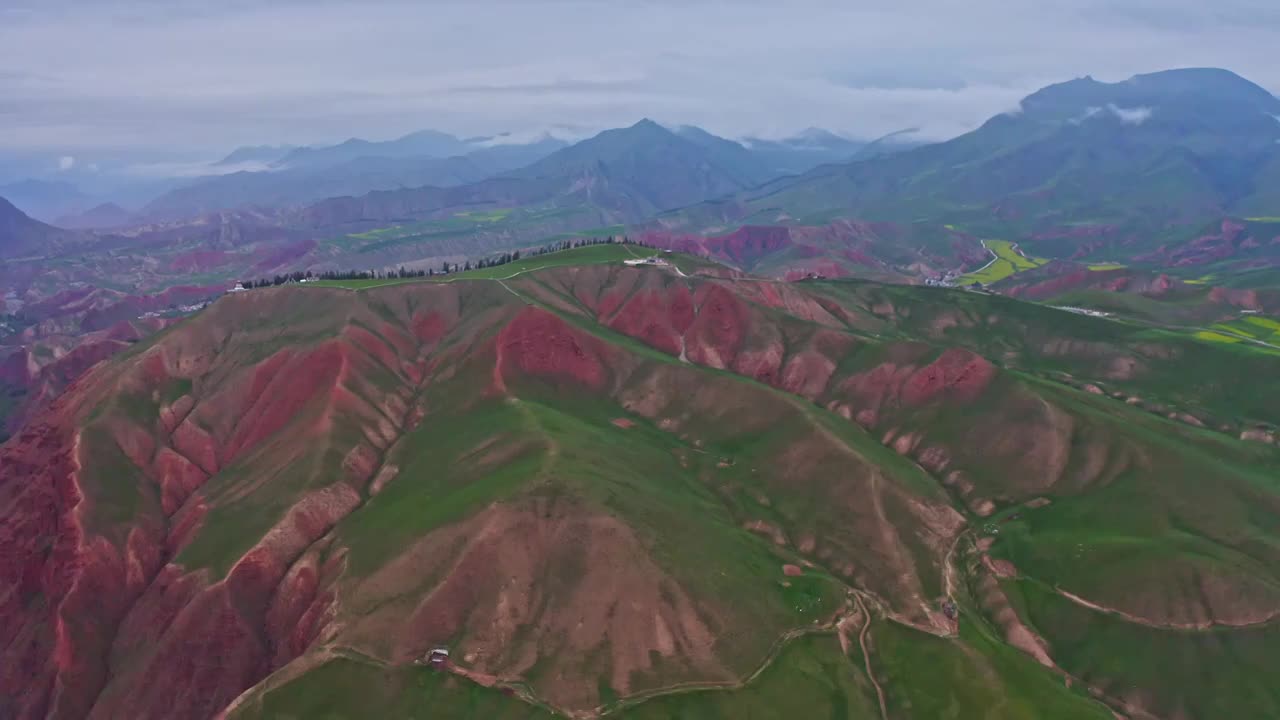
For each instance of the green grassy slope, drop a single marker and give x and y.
(347, 688)
(970, 677)
(1164, 366)
(974, 676)
(1215, 673)
(594, 508)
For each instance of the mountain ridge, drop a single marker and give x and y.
(618, 176)
(22, 235)
(1080, 151)
(848, 476)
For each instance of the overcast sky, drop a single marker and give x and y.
(79, 75)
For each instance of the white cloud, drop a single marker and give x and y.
(1131, 116)
(536, 134)
(194, 169)
(1088, 113)
(66, 162)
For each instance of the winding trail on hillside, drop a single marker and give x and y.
(1136, 620)
(854, 607)
(507, 287)
(866, 656)
(994, 258)
(1120, 708)
(552, 447)
(703, 685)
(950, 575)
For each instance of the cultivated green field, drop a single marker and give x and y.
(1008, 261)
(1252, 327)
(1248, 333)
(1211, 336)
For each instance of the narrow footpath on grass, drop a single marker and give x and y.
(1138, 620)
(866, 657)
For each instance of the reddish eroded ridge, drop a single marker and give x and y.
(99, 495)
(42, 558)
(78, 602)
(836, 249)
(658, 317)
(103, 612)
(123, 593)
(44, 366)
(742, 246)
(957, 372)
(719, 326)
(488, 585)
(538, 343)
(808, 350)
(1229, 239)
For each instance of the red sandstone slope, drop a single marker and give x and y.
(297, 470)
(39, 370)
(1177, 301)
(133, 472)
(877, 250)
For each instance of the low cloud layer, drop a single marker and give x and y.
(1128, 116)
(81, 75)
(1131, 116)
(192, 169)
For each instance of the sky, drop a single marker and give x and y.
(79, 77)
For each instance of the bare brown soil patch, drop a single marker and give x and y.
(999, 568)
(547, 582)
(1016, 633)
(773, 532)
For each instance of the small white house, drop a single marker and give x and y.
(645, 261)
(238, 288)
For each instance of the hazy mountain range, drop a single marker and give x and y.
(1178, 145)
(285, 175)
(1133, 170)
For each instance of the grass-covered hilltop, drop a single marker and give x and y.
(618, 482)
